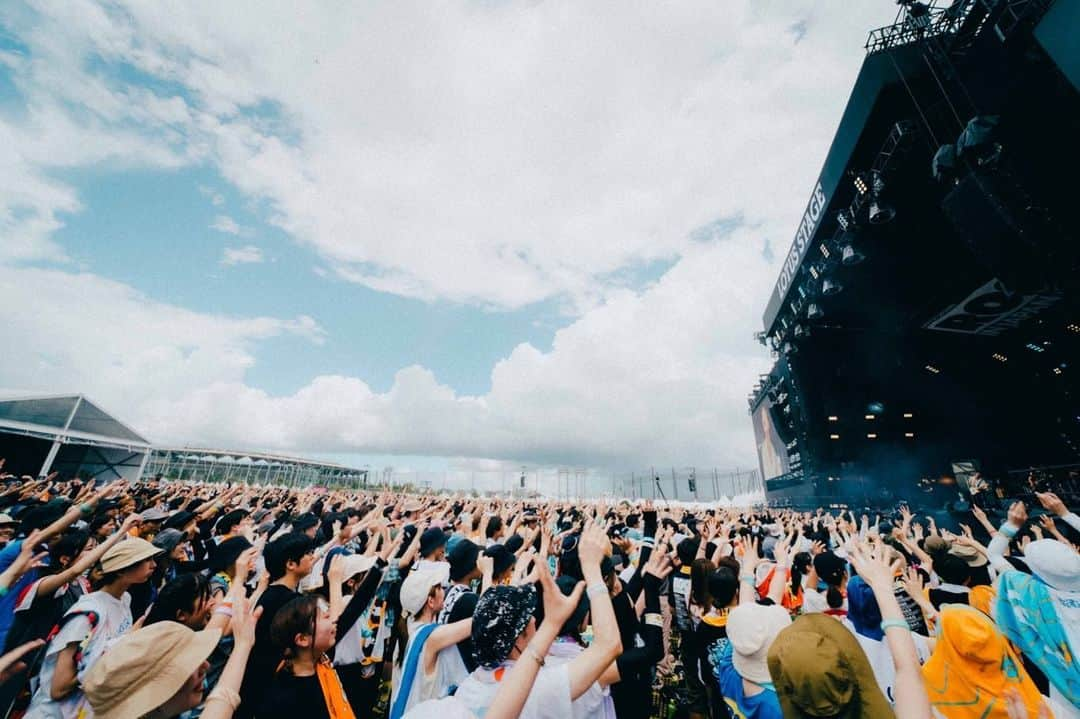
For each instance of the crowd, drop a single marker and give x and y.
(166, 599)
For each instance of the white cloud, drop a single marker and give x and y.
(226, 224)
(246, 255)
(495, 154)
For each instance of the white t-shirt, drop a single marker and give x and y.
(881, 661)
(596, 702)
(114, 618)
(450, 671)
(549, 698)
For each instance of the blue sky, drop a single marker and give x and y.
(430, 236)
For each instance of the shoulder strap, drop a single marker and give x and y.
(408, 674)
(91, 616)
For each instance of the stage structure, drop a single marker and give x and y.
(927, 312)
(218, 465)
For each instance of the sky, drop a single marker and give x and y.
(433, 234)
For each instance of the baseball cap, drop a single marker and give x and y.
(431, 540)
(417, 586)
(126, 553)
(144, 669)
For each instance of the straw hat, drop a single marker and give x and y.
(142, 670)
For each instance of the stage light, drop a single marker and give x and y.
(850, 256)
(1034, 347)
(870, 416)
(908, 415)
(875, 408)
(789, 348)
(833, 418)
(844, 219)
(834, 436)
(1073, 327)
(880, 212)
(814, 272)
(830, 288)
(861, 185)
(1057, 371)
(801, 331)
(944, 164)
(814, 312)
(909, 435)
(1000, 357)
(932, 369)
(824, 250)
(871, 436)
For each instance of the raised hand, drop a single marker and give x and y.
(1018, 515)
(1051, 503)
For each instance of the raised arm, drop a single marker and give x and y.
(910, 692)
(587, 667)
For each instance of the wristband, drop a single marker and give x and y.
(227, 611)
(595, 589)
(894, 624)
(654, 620)
(3, 591)
(1008, 530)
(747, 578)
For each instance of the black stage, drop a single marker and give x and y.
(954, 345)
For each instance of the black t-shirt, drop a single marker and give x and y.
(289, 697)
(265, 655)
(463, 609)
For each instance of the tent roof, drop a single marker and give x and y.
(69, 415)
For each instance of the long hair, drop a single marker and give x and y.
(699, 582)
(296, 617)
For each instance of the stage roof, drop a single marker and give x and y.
(73, 418)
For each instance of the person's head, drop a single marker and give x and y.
(832, 570)
(185, 600)
(173, 543)
(686, 551)
(128, 562)
(291, 553)
(157, 670)
(7, 528)
(102, 525)
(575, 623)
(422, 591)
(699, 582)
(462, 560)
(233, 523)
(751, 629)
(433, 544)
(494, 527)
(223, 557)
(307, 523)
(502, 560)
(863, 611)
(67, 549)
(952, 569)
(303, 629)
(503, 624)
(723, 585)
(819, 670)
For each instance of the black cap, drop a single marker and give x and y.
(431, 540)
(179, 520)
(514, 542)
(307, 520)
(225, 554)
(502, 558)
(462, 558)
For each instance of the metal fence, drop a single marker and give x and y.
(688, 484)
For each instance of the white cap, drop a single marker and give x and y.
(417, 586)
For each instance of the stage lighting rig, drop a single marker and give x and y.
(845, 219)
(850, 256)
(830, 288)
(814, 312)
